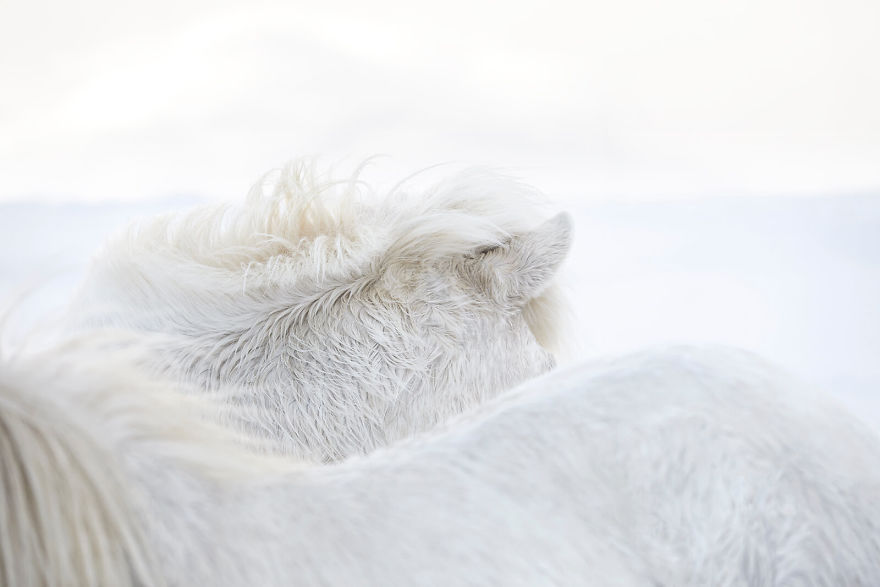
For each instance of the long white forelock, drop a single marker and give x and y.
(306, 234)
(48, 463)
(69, 416)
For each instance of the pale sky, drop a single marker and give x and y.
(626, 99)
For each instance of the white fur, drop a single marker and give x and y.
(680, 467)
(349, 320)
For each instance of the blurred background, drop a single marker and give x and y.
(721, 159)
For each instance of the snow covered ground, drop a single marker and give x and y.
(795, 279)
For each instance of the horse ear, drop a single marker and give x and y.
(521, 268)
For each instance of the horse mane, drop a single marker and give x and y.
(302, 232)
(70, 416)
(65, 514)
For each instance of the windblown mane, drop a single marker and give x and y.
(66, 516)
(314, 238)
(68, 420)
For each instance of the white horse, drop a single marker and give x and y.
(671, 468)
(348, 320)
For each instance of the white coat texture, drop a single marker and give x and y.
(348, 319)
(678, 467)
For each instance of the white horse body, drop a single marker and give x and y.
(349, 320)
(671, 468)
